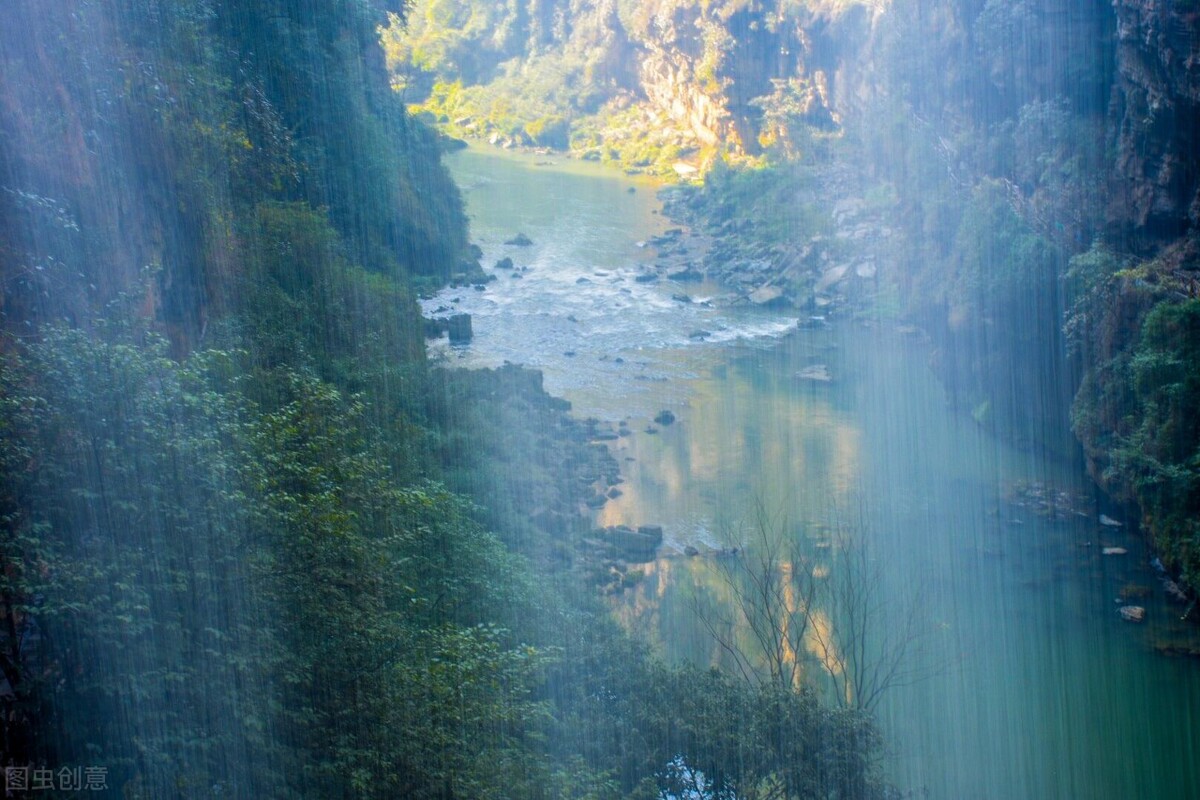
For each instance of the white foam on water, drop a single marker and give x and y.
(772, 329)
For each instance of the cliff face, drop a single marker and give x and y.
(1156, 118)
(667, 78)
(1134, 323)
(139, 143)
(728, 73)
(705, 77)
(76, 226)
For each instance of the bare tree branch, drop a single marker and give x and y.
(786, 605)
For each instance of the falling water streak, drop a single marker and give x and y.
(1017, 608)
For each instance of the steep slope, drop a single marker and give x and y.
(226, 563)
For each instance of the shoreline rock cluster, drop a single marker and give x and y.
(1046, 501)
(835, 269)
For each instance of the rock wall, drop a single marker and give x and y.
(1156, 117)
(668, 80)
(709, 70)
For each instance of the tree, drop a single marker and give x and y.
(791, 611)
(866, 651)
(773, 592)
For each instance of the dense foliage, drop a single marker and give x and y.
(1136, 325)
(229, 560)
(640, 85)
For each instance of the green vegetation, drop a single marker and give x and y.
(243, 546)
(1136, 328)
(769, 205)
(636, 85)
(229, 544)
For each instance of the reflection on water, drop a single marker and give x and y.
(1033, 686)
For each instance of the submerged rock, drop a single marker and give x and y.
(520, 240)
(817, 372)
(1132, 613)
(504, 263)
(1173, 591)
(664, 417)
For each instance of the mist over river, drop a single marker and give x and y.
(1027, 683)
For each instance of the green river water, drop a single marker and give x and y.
(1027, 682)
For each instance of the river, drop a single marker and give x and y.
(1026, 682)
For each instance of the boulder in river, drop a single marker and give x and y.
(652, 530)
(767, 295)
(520, 240)
(632, 545)
(1108, 521)
(685, 275)
(831, 277)
(434, 327)
(459, 328)
(1113, 551)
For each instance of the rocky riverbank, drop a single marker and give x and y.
(825, 253)
(539, 474)
(521, 454)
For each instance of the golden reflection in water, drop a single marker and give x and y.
(785, 625)
(614, 514)
(791, 447)
(663, 570)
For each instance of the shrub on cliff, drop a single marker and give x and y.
(1137, 412)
